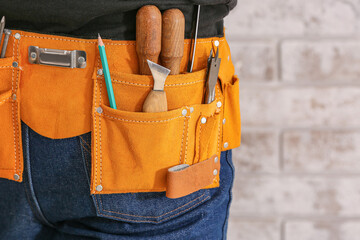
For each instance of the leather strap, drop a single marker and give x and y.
(185, 179)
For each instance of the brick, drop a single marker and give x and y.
(243, 229)
(292, 18)
(321, 151)
(296, 196)
(300, 106)
(322, 61)
(308, 230)
(258, 152)
(254, 61)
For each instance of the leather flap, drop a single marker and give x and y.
(184, 179)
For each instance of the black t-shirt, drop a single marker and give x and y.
(113, 19)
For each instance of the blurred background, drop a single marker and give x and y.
(298, 168)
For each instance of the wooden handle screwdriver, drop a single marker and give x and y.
(148, 36)
(172, 41)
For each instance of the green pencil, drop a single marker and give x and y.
(106, 73)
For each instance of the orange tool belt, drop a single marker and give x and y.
(131, 150)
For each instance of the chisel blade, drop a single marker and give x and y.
(159, 74)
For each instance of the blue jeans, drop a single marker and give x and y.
(54, 200)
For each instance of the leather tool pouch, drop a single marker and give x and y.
(131, 150)
(11, 158)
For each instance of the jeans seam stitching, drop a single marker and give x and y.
(32, 192)
(149, 216)
(162, 219)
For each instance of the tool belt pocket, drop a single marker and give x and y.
(10, 132)
(133, 150)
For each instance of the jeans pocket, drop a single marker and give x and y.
(140, 207)
(147, 207)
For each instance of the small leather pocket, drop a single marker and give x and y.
(133, 150)
(231, 121)
(10, 132)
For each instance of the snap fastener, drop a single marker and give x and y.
(16, 177)
(218, 104)
(216, 43)
(203, 120)
(224, 121)
(100, 71)
(226, 145)
(216, 159)
(191, 109)
(184, 112)
(17, 35)
(15, 64)
(14, 96)
(99, 188)
(99, 110)
(215, 172)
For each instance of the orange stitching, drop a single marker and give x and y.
(82, 145)
(198, 160)
(95, 133)
(148, 216)
(15, 102)
(218, 150)
(89, 147)
(182, 141)
(156, 221)
(140, 121)
(148, 85)
(74, 40)
(187, 137)
(93, 42)
(101, 155)
(6, 66)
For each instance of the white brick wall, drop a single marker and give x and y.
(298, 168)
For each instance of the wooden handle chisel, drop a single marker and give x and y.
(148, 36)
(172, 41)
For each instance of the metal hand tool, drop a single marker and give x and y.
(194, 34)
(2, 26)
(148, 36)
(7, 33)
(156, 100)
(172, 40)
(212, 72)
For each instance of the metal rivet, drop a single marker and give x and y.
(191, 109)
(14, 96)
(218, 104)
(99, 188)
(81, 60)
(33, 55)
(216, 43)
(224, 121)
(215, 172)
(15, 64)
(16, 177)
(203, 120)
(184, 112)
(226, 145)
(100, 71)
(99, 110)
(216, 159)
(17, 35)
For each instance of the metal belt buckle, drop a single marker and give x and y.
(57, 57)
